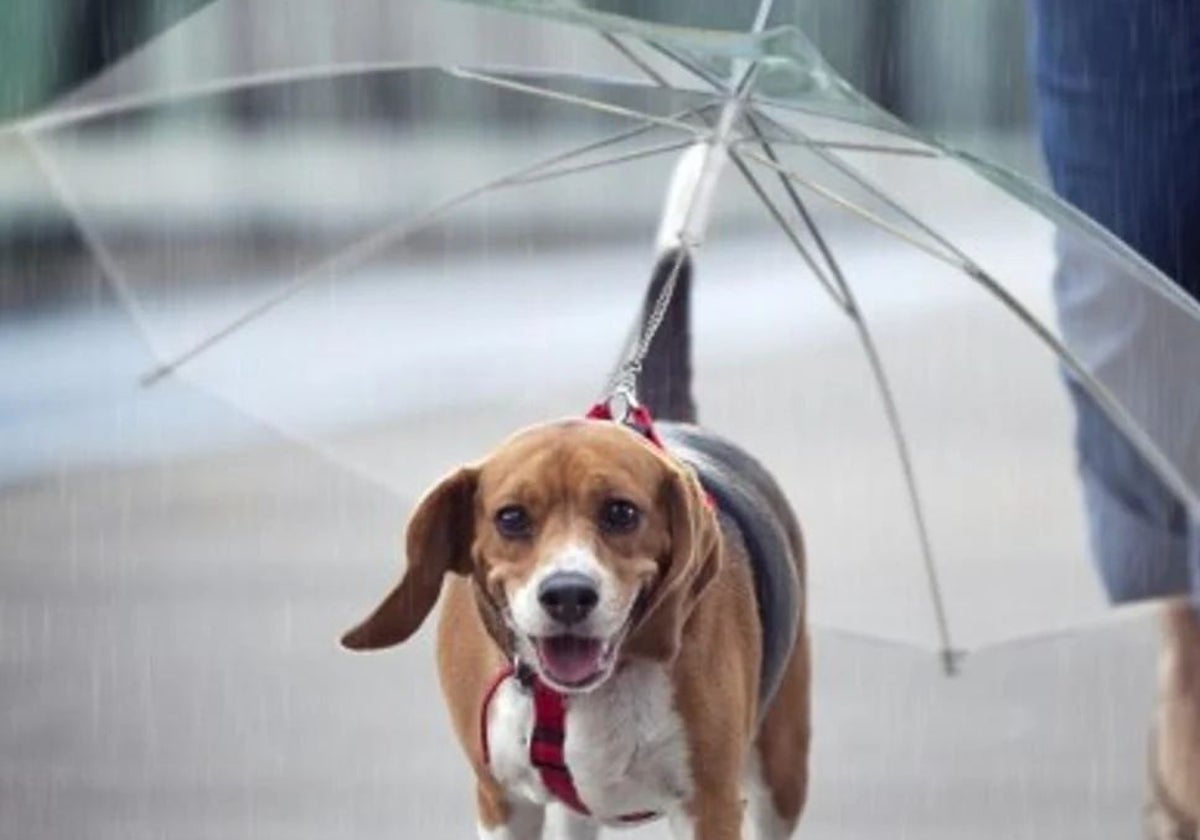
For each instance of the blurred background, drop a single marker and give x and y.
(957, 70)
(891, 50)
(176, 562)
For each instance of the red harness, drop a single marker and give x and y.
(546, 743)
(637, 418)
(549, 706)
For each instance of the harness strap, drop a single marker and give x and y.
(638, 419)
(505, 672)
(546, 744)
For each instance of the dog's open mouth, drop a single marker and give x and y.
(574, 661)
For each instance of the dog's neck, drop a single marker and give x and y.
(493, 620)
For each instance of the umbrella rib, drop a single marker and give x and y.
(719, 86)
(81, 113)
(802, 209)
(364, 248)
(894, 126)
(853, 146)
(626, 157)
(1147, 448)
(955, 259)
(779, 218)
(95, 244)
(120, 285)
(572, 99)
(687, 64)
(851, 307)
(717, 83)
(1096, 389)
(891, 409)
(950, 654)
(848, 303)
(753, 102)
(875, 191)
(840, 145)
(634, 59)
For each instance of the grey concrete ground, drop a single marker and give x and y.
(168, 670)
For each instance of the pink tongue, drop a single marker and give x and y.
(570, 660)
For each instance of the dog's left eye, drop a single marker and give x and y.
(514, 522)
(618, 516)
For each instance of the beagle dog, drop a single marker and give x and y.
(622, 633)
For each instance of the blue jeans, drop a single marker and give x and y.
(1118, 86)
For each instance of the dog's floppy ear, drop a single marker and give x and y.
(691, 565)
(439, 540)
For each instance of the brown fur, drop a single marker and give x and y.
(701, 617)
(716, 679)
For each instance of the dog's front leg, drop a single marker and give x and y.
(564, 824)
(504, 817)
(709, 817)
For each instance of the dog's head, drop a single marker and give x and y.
(585, 541)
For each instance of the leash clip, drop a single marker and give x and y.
(622, 404)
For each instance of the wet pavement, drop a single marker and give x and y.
(169, 669)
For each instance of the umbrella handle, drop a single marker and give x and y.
(685, 215)
(686, 210)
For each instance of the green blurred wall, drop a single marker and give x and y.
(900, 52)
(49, 46)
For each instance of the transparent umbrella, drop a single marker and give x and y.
(873, 316)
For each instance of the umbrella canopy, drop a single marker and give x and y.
(874, 315)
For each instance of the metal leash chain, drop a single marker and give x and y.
(621, 392)
(622, 384)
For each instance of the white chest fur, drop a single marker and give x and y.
(625, 745)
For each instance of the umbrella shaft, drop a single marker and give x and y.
(689, 197)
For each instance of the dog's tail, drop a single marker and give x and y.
(665, 386)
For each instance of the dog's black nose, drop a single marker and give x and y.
(568, 597)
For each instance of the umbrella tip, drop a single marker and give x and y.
(154, 376)
(952, 661)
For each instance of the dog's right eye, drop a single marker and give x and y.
(514, 522)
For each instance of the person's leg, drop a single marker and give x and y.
(1118, 86)
(1178, 745)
